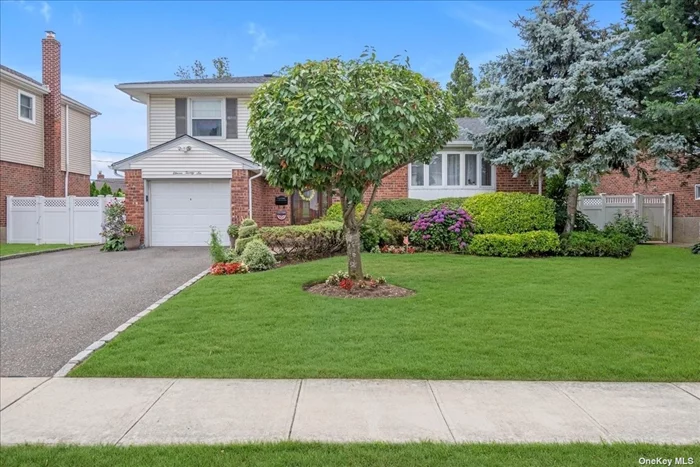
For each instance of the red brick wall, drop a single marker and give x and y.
(506, 182)
(18, 180)
(681, 185)
(239, 195)
(264, 208)
(51, 77)
(78, 184)
(134, 202)
(394, 185)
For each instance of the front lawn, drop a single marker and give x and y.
(316, 454)
(599, 319)
(16, 248)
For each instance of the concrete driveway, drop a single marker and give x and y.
(54, 305)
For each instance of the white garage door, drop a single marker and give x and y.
(182, 211)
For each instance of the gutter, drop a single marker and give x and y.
(250, 192)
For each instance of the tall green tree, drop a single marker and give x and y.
(106, 190)
(561, 102)
(462, 86)
(93, 189)
(345, 125)
(199, 71)
(670, 116)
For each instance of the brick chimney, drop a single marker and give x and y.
(51, 77)
(100, 175)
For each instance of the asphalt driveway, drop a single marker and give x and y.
(54, 305)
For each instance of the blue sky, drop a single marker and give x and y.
(105, 43)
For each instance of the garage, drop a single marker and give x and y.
(183, 211)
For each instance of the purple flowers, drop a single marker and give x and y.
(442, 229)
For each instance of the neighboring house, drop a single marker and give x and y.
(115, 184)
(44, 135)
(685, 188)
(197, 171)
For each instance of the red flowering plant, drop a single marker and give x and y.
(443, 229)
(342, 279)
(219, 269)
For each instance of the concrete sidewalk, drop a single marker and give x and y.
(163, 411)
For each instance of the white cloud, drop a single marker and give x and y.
(260, 38)
(31, 7)
(488, 19)
(45, 11)
(77, 16)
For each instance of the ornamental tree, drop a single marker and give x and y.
(563, 102)
(345, 125)
(462, 86)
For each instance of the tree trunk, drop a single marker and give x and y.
(571, 205)
(354, 247)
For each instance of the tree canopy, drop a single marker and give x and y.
(462, 86)
(670, 116)
(345, 125)
(563, 102)
(199, 71)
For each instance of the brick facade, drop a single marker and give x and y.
(264, 208)
(134, 202)
(239, 195)
(51, 77)
(682, 185)
(394, 186)
(505, 181)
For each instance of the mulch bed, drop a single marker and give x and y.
(381, 291)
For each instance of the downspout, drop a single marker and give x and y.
(67, 150)
(539, 181)
(250, 192)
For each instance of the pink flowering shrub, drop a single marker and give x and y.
(443, 229)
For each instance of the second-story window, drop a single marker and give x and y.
(26, 107)
(207, 117)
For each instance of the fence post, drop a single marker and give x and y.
(101, 207)
(668, 216)
(638, 203)
(39, 220)
(71, 219)
(8, 223)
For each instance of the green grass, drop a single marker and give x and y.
(16, 248)
(599, 319)
(316, 454)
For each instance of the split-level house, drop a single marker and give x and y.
(45, 136)
(197, 171)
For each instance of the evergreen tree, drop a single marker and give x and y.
(119, 193)
(93, 189)
(462, 86)
(671, 104)
(562, 103)
(199, 71)
(106, 190)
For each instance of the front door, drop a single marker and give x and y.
(309, 205)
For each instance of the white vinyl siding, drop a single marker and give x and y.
(20, 142)
(161, 122)
(77, 137)
(198, 162)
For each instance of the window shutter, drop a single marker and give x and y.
(231, 118)
(180, 117)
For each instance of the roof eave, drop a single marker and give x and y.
(460, 143)
(23, 82)
(82, 107)
(140, 91)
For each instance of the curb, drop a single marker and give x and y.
(108, 337)
(36, 253)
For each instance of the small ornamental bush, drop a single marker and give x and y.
(454, 203)
(233, 230)
(374, 232)
(442, 229)
(246, 232)
(397, 231)
(535, 243)
(508, 213)
(335, 212)
(695, 249)
(304, 242)
(615, 245)
(403, 210)
(257, 256)
(216, 249)
(631, 224)
(113, 226)
(219, 269)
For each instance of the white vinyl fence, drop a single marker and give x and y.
(68, 220)
(657, 209)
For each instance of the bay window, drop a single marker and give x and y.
(417, 174)
(207, 117)
(485, 173)
(470, 169)
(453, 163)
(453, 169)
(435, 170)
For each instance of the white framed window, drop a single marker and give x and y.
(453, 169)
(26, 107)
(207, 118)
(697, 192)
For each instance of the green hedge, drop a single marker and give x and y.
(509, 213)
(404, 209)
(335, 212)
(303, 242)
(615, 245)
(535, 243)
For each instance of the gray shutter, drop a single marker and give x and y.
(180, 116)
(231, 118)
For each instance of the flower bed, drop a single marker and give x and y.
(341, 285)
(442, 229)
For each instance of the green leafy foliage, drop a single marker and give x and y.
(232, 230)
(615, 245)
(695, 249)
(246, 233)
(535, 243)
(556, 189)
(257, 256)
(119, 193)
(397, 231)
(374, 232)
(629, 223)
(443, 229)
(508, 213)
(93, 189)
(335, 212)
(113, 226)
(402, 209)
(199, 71)
(106, 190)
(304, 242)
(462, 86)
(217, 252)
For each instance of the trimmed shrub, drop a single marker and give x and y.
(631, 224)
(615, 245)
(397, 231)
(304, 242)
(257, 256)
(335, 212)
(534, 243)
(442, 229)
(509, 213)
(233, 230)
(246, 232)
(452, 203)
(404, 209)
(373, 232)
